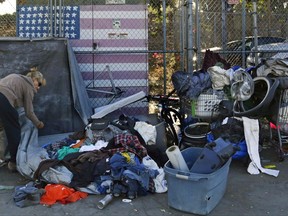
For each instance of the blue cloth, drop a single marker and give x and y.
(121, 169)
(118, 164)
(191, 85)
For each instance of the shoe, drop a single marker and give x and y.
(12, 166)
(2, 163)
(119, 189)
(131, 195)
(133, 187)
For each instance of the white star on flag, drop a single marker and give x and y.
(35, 22)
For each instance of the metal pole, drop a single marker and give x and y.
(50, 33)
(190, 37)
(185, 36)
(285, 5)
(60, 19)
(182, 35)
(164, 45)
(224, 30)
(255, 28)
(55, 18)
(198, 35)
(243, 54)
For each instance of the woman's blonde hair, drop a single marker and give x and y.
(35, 74)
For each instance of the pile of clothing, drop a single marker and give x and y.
(114, 158)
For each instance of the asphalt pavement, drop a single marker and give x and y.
(246, 194)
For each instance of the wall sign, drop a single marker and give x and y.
(115, 1)
(116, 24)
(233, 2)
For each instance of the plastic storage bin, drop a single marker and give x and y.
(193, 192)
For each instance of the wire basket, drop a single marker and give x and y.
(283, 113)
(207, 105)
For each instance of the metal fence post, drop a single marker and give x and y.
(190, 36)
(198, 35)
(255, 29)
(181, 27)
(50, 29)
(164, 45)
(224, 23)
(243, 30)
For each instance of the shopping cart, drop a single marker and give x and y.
(280, 138)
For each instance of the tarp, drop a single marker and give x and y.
(63, 104)
(30, 153)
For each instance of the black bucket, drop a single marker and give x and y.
(195, 135)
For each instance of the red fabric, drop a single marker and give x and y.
(60, 193)
(211, 59)
(74, 197)
(273, 126)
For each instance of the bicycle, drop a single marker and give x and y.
(172, 117)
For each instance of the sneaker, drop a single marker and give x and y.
(2, 163)
(12, 166)
(119, 189)
(133, 187)
(131, 195)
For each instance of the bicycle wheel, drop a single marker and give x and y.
(173, 121)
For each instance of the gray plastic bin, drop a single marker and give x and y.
(193, 192)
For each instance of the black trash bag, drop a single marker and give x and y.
(226, 108)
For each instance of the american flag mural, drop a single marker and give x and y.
(37, 21)
(101, 35)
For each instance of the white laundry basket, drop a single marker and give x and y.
(207, 105)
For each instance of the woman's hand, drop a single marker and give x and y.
(40, 125)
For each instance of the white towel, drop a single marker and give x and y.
(147, 131)
(251, 132)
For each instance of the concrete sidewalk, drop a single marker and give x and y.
(246, 194)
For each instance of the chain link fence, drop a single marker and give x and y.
(126, 46)
(8, 25)
(230, 29)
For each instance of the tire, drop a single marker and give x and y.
(171, 118)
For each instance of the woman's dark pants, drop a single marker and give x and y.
(10, 120)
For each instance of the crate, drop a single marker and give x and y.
(192, 192)
(206, 106)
